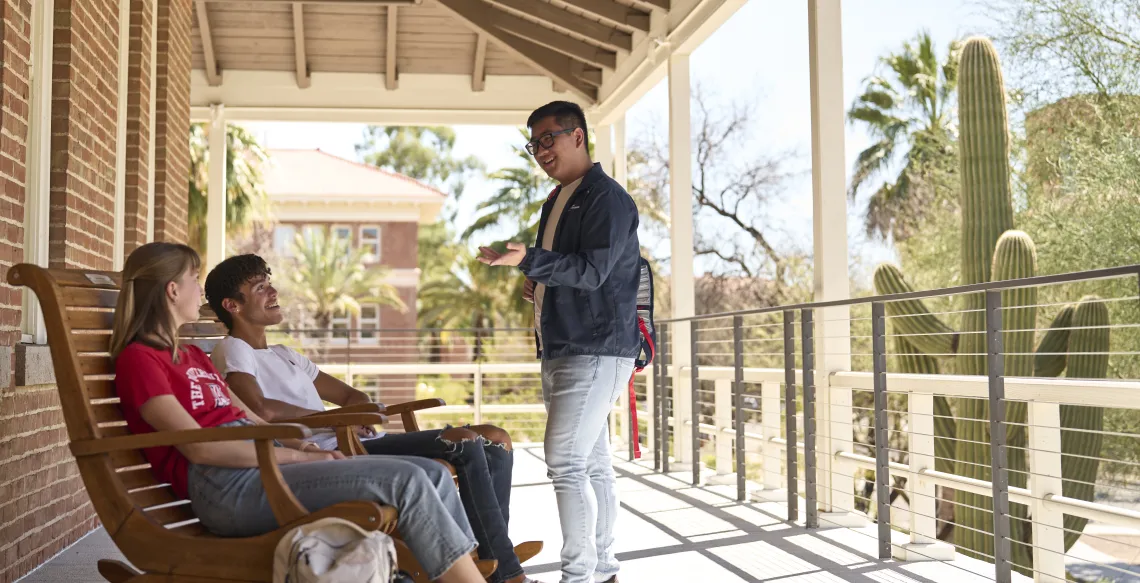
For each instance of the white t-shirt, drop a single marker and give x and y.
(552, 221)
(282, 373)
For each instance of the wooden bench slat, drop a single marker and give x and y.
(128, 459)
(206, 344)
(91, 342)
(107, 413)
(83, 297)
(171, 514)
(114, 431)
(101, 389)
(138, 478)
(90, 365)
(195, 329)
(154, 497)
(91, 320)
(85, 278)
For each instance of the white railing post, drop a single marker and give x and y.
(723, 435)
(1044, 479)
(924, 544)
(770, 428)
(478, 399)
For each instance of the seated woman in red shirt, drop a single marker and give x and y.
(166, 387)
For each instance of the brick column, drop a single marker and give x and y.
(172, 120)
(138, 124)
(84, 123)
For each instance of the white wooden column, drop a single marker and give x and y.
(621, 176)
(621, 172)
(604, 148)
(829, 222)
(216, 195)
(681, 239)
(121, 138)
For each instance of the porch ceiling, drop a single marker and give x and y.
(436, 61)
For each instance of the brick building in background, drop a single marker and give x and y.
(93, 162)
(375, 210)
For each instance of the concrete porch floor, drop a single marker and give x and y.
(668, 531)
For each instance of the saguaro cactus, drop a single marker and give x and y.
(993, 251)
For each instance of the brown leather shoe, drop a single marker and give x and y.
(527, 550)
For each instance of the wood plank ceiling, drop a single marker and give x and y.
(572, 42)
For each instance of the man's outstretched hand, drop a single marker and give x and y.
(514, 255)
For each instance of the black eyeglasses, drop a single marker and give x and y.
(545, 140)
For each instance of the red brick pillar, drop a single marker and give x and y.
(139, 124)
(84, 121)
(172, 121)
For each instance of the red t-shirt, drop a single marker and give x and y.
(143, 372)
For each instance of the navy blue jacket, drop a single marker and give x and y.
(591, 274)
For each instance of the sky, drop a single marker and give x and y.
(758, 58)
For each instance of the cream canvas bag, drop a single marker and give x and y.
(334, 550)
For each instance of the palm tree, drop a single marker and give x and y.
(909, 114)
(245, 193)
(472, 296)
(517, 203)
(329, 278)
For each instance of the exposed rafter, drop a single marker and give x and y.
(479, 69)
(390, 78)
(299, 53)
(665, 5)
(335, 2)
(555, 16)
(213, 75)
(479, 16)
(564, 44)
(614, 12)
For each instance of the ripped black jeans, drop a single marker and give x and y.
(484, 471)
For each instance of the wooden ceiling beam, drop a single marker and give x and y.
(304, 81)
(613, 12)
(213, 75)
(390, 78)
(559, 67)
(665, 5)
(567, 45)
(479, 70)
(332, 2)
(555, 16)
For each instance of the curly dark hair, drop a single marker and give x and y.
(225, 281)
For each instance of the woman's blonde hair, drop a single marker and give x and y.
(142, 309)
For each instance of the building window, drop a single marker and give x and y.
(38, 164)
(343, 233)
(340, 323)
(283, 238)
(370, 323)
(370, 242)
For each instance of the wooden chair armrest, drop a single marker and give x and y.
(339, 420)
(285, 506)
(362, 408)
(265, 433)
(410, 406)
(370, 516)
(407, 411)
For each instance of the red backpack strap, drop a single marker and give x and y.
(633, 418)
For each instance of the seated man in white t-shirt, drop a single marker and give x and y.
(277, 382)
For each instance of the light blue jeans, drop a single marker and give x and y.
(232, 502)
(579, 392)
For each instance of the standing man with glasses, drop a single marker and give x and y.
(582, 275)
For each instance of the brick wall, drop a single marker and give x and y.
(15, 75)
(172, 120)
(138, 124)
(84, 120)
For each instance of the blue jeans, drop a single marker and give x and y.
(579, 392)
(484, 471)
(232, 502)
